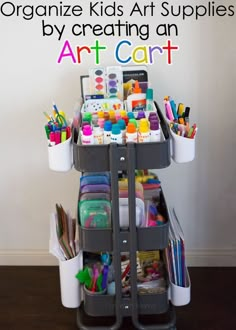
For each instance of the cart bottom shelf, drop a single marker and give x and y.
(163, 321)
(104, 305)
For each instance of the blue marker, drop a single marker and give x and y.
(173, 108)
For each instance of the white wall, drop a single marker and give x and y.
(202, 76)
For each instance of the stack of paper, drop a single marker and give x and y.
(175, 253)
(63, 241)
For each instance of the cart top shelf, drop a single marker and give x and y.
(95, 158)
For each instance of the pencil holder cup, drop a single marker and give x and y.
(69, 284)
(183, 148)
(60, 156)
(96, 293)
(179, 295)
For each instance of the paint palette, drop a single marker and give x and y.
(114, 82)
(97, 78)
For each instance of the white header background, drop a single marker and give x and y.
(202, 76)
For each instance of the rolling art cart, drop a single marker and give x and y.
(115, 158)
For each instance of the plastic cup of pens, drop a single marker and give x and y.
(183, 146)
(182, 135)
(94, 278)
(58, 133)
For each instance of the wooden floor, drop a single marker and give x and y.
(30, 299)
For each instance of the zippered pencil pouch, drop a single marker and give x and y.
(103, 188)
(95, 214)
(94, 179)
(95, 195)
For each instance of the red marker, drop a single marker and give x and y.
(68, 132)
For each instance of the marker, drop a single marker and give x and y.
(63, 135)
(169, 113)
(52, 139)
(122, 125)
(55, 108)
(180, 109)
(107, 132)
(194, 133)
(116, 135)
(118, 116)
(173, 108)
(130, 115)
(149, 99)
(98, 134)
(123, 113)
(57, 137)
(186, 112)
(144, 131)
(100, 123)
(141, 115)
(155, 132)
(47, 116)
(47, 130)
(131, 133)
(87, 137)
(100, 114)
(95, 118)
(134, 121)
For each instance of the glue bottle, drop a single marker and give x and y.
(137, 100)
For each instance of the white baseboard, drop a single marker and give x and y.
(194, 258)
(211, 257)
(27, 258)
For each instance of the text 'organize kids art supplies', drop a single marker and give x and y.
(58, 133)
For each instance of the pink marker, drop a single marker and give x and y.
(52, 139)
(57, 137)
(169, 113)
